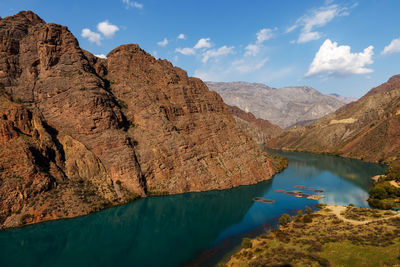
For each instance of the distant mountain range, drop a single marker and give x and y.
(367, 129)
(287, 106)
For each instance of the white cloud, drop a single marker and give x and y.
(393, 47)
(264, 35)
(181, 36)
(163, 42)
(107, 29)
(134, 4)
(334, 60)
(100, 56)
(316, 18)
(213, 53)
(308, 36)
(203, 43)
(93, 37)
(186, 51)
(252, 50)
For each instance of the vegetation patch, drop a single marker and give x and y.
(326, 240)
(385, 194)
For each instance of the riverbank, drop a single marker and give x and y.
(335, 235)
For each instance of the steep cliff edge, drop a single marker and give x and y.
(79, 133)
(367, 129)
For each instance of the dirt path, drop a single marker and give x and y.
(336, 209)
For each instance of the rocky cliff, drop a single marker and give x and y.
(79, 133)
(261, 131)
(285, 106)
(367, 129)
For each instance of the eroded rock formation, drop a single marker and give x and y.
(79, 133)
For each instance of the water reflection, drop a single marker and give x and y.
(150, 232)
(353, 170)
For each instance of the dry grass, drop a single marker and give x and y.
(326, 240)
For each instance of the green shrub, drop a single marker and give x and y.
(379, 204)
(300, 213)
(308, 210)
(378, 192)
(246, 243)
(323, 262)
(285, 219)
(307, 218)
(118, 182)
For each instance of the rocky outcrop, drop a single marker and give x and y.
(261, 131)
(367, 129)
(285, 106)
(79, 133)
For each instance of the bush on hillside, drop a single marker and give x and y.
(285, 219)
(246, 243)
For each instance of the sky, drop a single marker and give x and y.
(343, 47)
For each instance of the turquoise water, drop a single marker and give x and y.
(191, 228)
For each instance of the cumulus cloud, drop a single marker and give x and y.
(107, 29)
(186, 51)
(334, 60)
(213, 53)
(163, 42)
(316, 18)
(100, 56)
(393, 47)
(264, 35)
(203, 43)
(252, 50)
(134, 4)
(93, 37)
(181, 36)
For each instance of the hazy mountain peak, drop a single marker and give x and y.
(285, 106)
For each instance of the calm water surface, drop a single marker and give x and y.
(190, 228)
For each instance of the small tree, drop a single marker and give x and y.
(378, 192)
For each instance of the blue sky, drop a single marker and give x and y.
(344, 47)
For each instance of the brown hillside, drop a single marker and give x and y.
(260, 130)
(367, 129)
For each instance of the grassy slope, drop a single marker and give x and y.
(326, 241)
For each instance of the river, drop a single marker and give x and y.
(194, 228)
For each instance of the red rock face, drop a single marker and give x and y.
(79, 133)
